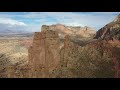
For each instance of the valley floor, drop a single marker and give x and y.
(14, 50)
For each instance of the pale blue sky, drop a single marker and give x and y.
(32, 21)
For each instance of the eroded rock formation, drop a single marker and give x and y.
(71, 59)
(111, 31)
(83, 32)
(53, 57)
(48, 57)
(45, 49)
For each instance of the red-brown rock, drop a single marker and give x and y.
(111, 31)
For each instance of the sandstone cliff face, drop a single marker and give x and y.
(45, 49)
(89, 61)
(72, 31)
(110, 31)
(49, 58)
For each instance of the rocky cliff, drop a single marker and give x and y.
(111, 31)
(48, 57)
(83, 32)
(45, 49)
(51, 57)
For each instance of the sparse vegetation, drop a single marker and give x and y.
(14, 56)
(89, 62)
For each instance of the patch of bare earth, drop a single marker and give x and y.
(14, 51)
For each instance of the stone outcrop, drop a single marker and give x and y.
(46, 47)
(49, 58)
(45, 50)
(70, 30)
(110, 31)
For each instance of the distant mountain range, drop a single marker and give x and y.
(13, 33)
(9, 31)
(13, 30)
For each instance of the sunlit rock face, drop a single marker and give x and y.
(51, 57)
(71, 30)
(45, 49)
(111, 31)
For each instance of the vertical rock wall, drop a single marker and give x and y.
(45, 52)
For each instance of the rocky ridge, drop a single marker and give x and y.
(82, 32)
(111, 31)
(49, 58)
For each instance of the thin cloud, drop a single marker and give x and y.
(11, 22)
(94, 19)
(34, 20)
